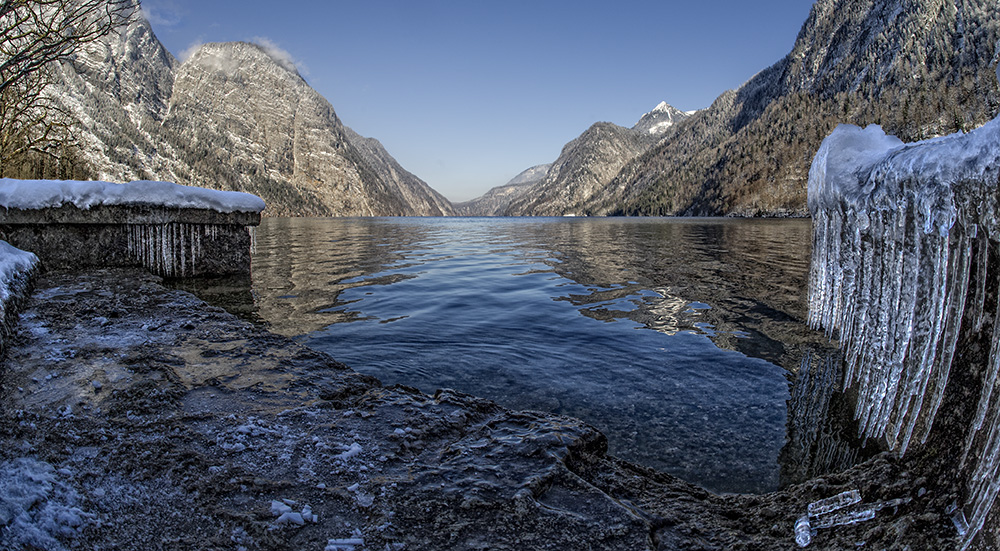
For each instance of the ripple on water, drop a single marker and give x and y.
(676, 338)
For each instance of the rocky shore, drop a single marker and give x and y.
(139, 417)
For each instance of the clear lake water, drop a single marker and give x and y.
(677, 338)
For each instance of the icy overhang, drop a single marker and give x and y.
(905, 257)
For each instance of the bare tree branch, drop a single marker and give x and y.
(34, 34)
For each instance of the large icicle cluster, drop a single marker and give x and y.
(169, 250)
(900, 233)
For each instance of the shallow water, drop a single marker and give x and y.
(675, 337)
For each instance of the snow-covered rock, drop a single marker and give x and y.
(37, 510)
(16, 270)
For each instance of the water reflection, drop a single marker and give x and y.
(542, 314)
(741, 282)
(822, 432)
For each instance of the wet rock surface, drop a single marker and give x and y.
(166, 423)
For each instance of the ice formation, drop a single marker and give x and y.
(169, 249)
(900, 233)
(37, 509)
(40, 194)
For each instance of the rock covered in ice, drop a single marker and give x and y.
(17, 268)
(350, 451)
(902, 237)
(290, 518)
(286, 515)
(278, 508)
(40, 194)
(343, 544)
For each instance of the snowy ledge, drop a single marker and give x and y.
(904, 268)
(45, 194)
(17, 270)
(172, 230)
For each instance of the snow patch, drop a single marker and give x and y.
(660, 127)
(662, 106)
(13, 263)
(37, 510)
(40, 194)
(351, 451)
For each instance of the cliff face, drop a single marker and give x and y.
(230, 117)
(414, 191)
(920, 68)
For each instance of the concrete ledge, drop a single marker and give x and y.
(70, 225)
(125, 214)
(168, 250)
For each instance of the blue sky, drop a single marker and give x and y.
(466, 94)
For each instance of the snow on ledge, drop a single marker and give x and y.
(13, 262)
(41, 194)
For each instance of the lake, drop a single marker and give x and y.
(677, 338)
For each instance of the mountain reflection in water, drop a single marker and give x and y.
(677, 338)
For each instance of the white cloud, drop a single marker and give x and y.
(190, 50)
(281, 55)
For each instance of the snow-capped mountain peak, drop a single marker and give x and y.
(662, 117)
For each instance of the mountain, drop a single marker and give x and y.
(585, 166)
(232, 116)
(919, 68)
(415, 192)
(661, 118)
(495, 201)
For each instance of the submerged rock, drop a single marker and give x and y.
(203, 423)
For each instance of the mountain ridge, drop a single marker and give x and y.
(919, 68)
(916, 67)
(495, 201)
(230, 116)
(584, 166)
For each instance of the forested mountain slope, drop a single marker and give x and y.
(919, 68)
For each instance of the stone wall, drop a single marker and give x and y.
(169, 241)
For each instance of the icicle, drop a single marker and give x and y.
(842, 519)
(182, 250)
(982, 258)
(833, 503)
(170, 250)
(803, 532)
(899, 231)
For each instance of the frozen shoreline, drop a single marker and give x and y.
(171, 424)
